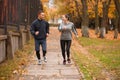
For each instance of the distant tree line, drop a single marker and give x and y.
(101, 15)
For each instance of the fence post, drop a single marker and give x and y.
(28, 35)
(21, 40)
(10, 53)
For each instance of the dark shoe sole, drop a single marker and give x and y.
(69, 61)
(64, 62)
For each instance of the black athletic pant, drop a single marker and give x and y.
(65, 47)
(38, 54)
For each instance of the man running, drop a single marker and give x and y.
(40, 31)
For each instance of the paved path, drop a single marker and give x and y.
(53, 69)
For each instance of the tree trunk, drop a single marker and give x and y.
(104, 24)
(117, 5)
(116, 29)
(78, 20)
(96, 18)
(85, 19)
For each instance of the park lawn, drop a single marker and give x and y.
(9, 68)
(106, 51)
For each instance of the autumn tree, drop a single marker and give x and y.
(83, 11)
(117, 20)
(117, 5)
(104, 23)
(96, 18)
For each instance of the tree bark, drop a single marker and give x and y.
(78, 18)
(104, 23)
(117, 5)
(85, 19)
(77, 9)
(96, 18)
(116, 28)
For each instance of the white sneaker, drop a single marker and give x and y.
(45, 59)
(39, 62)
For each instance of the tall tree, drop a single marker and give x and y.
(85, 19)
(116, 25)
(117, 5)
(104, 23)
(96, 18)
(78, 11)
(117, 20)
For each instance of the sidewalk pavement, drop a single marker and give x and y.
(54, 68)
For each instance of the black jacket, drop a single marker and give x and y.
(39, 25)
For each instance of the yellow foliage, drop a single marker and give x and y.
(45, 1)
(63, 7)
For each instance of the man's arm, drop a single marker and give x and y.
(32, 29)
(47, 28)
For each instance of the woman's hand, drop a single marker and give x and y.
(36, 33)
(64, 27)
(77, 36)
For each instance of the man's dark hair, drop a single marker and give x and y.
(40, 11)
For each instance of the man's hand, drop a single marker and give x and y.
(37, 32)
(47, 35)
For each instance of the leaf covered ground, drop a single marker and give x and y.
(14, 67)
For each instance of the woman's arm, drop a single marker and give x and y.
(74, 30)
(60, 27)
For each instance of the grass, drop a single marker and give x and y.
(81, 64)
(106, 51)
(9, 67)
(87, 66)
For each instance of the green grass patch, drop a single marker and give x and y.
(107, 51)
(80, 64)
(8, 67)
(87, 66)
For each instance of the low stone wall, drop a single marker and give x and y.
(3, 48)
(11, 42)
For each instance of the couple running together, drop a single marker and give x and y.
(40, 31)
